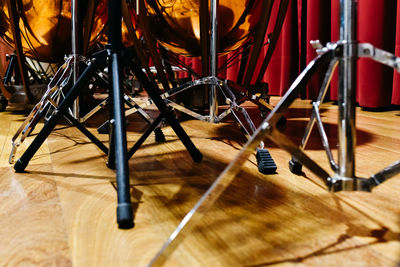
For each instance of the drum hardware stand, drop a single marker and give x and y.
(42, 109)
(117, 153)
(76, 35)
(129, 101)
(56, 91)
(265, 162)
(58, 86)
(345, 52)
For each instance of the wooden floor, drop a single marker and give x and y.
(61, 212)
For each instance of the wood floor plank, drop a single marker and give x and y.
(32, 231)
(260, 220)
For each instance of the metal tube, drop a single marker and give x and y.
(213, 102)
(74, 44)
(346, 91)
(124, 209)
(324, 89)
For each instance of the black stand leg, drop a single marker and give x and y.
(51, 123)
(117, 153)
(166, 112)
(118, 138)
(124, 209)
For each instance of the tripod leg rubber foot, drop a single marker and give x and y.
(197, 156)
(3, 103)
(265, 162)
(125, 216)
(159, 135)
(19, 166)
(295, 166)
(110, 165)
(281, 122)
(104, 128)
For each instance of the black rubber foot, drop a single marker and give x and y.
(125, 216)
(266, 164)
(3, 103)
(159, 135)
(281, 122)
(295, 167)
(110, 165)
(104, 128)
(19, 166)
(197, 156)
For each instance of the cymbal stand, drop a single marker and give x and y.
(345, 52)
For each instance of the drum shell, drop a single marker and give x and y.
(99, 31)
(45, 27)
(176, 24)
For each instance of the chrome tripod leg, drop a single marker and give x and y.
(294, 164)
(385, 174)
(324, 138)
(48, 100)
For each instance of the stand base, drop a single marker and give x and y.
(124, 216)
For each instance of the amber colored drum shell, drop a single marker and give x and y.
(176, 23)
(45, 27)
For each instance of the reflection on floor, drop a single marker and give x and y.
(62, 210)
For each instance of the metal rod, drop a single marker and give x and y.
(324, 89)
(324, 137)
(74, 44)
(346, 93)
(213, 102)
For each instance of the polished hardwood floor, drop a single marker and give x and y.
(61, 211)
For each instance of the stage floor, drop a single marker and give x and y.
(62, 210)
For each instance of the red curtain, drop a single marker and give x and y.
(4, 49)
(307, 20)
(377, 24)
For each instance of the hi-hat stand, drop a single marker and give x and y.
(117, 152)
(345, 53)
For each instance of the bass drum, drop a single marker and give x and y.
(176, 23)
(45, 27)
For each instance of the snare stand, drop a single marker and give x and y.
(345, 52)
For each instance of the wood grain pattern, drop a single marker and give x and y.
(64, 212)
(32, 228)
